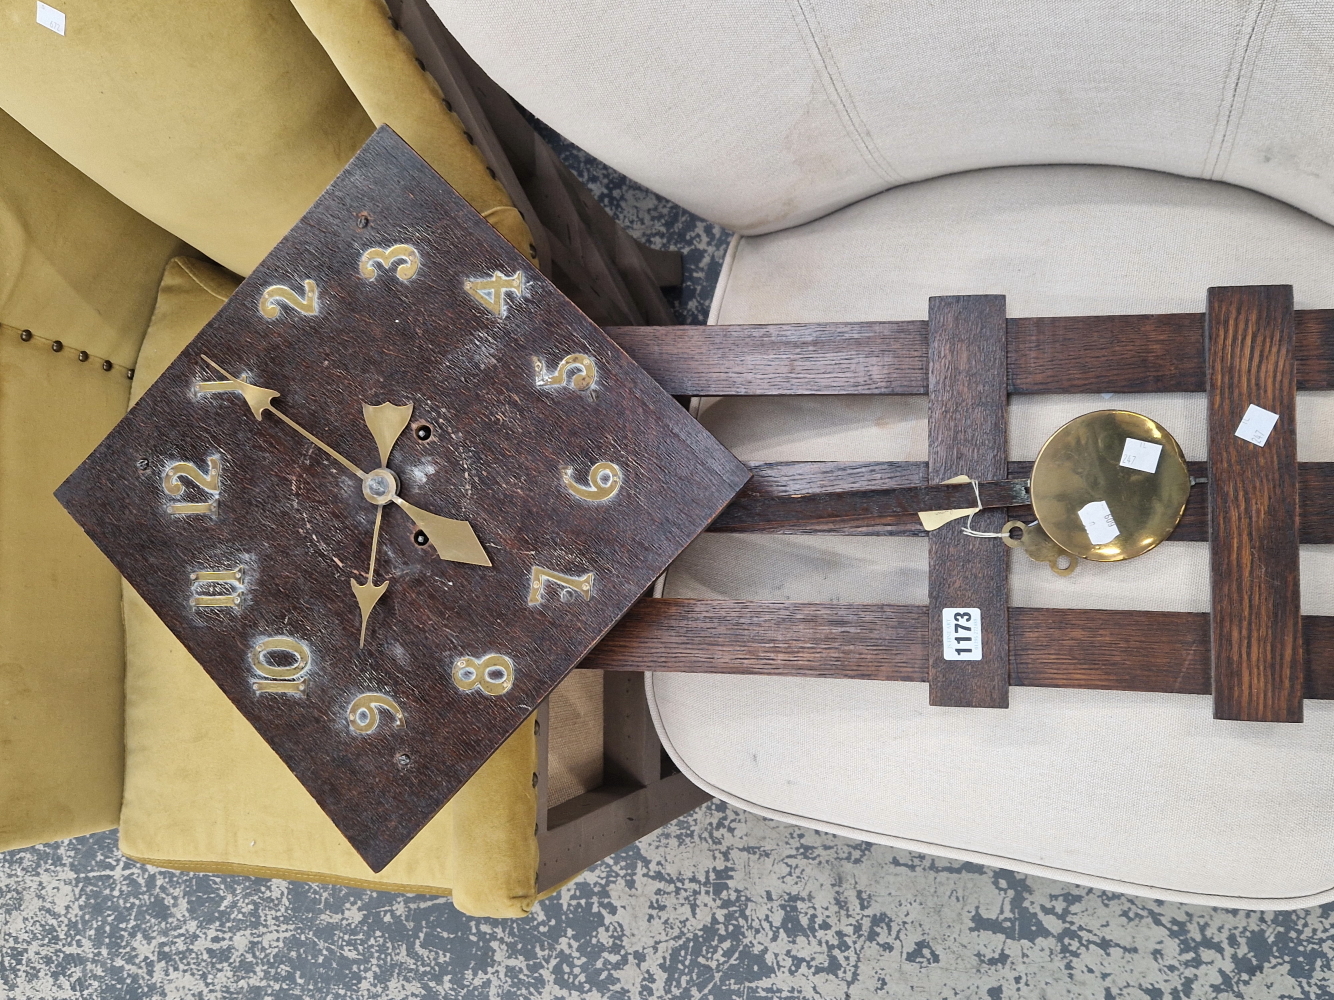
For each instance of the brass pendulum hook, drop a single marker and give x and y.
(386, 422)
(368, 594)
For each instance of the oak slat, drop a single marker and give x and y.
(807, 359)
(966, 433)
(1056, 354)
(1253, 537)
(1150, 651)
(878, 642)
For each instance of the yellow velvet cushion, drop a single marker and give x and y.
(223, 122)
(203, 791)
(79, 267)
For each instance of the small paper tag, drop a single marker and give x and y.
(1098, 522)
(962, 633)
(49, 17)
(1141, 455)
(933, 519)
(1257, 425)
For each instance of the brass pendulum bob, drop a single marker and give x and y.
(1098, 498)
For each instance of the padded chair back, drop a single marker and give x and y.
(764, 115)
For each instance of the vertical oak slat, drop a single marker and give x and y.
(631, 752)
(966, 436)
(1253, 532)
(542, 722)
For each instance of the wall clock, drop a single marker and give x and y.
(394, 492)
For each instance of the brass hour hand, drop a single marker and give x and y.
(453, 540)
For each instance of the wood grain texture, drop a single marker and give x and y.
(1151, 651)
(1054, 354)
(299, 525)
(780, 359)
(966, 435)
(865, 641)
(1253, 535)
(1110, 650)
(1072, 354)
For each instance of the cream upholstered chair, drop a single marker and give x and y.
(1094, 158)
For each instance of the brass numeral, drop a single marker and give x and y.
(576, 370)
(366, 712)
(490, 292)
(275, 296)
(402, 252)
(228, 386)
(604, 479)
(280, 678)
(213, 579)
(493, 674)
(582, 585)
(210, 481)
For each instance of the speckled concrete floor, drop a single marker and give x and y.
(720, 904)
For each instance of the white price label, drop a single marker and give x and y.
(962, 633)
(49, 17)
(1098, 522)
(1141, 455)
(1256, 425)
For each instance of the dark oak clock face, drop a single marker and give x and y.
(393, 492)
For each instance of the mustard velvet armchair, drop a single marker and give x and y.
(150, 156)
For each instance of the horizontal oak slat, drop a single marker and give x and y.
(1151, 651)
(770, 479)
(1162, 651)
(867, 641)
(1059, 354)
(780, 359)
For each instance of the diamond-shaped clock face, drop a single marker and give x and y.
(394, 492)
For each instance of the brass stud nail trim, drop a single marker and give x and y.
(58, 346)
